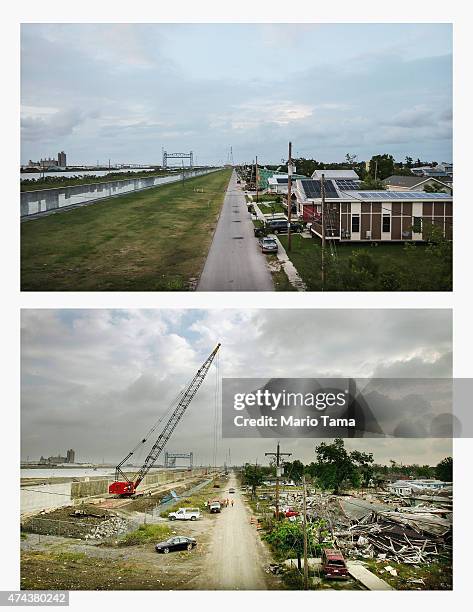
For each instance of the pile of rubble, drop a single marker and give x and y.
(413, 535)
(114, 526)
(381, 525)
(86, 522)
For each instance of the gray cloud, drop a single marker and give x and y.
(150, 95)
(97, 380)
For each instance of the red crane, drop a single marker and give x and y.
(123, 485)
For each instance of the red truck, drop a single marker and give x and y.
(333, 564)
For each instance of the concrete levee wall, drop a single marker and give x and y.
(45, 497)
(89, 488)
(49, 496)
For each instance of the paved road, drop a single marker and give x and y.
(235, 559)
(234, 262)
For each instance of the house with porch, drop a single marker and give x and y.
(353, 215)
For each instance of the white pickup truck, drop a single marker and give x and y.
(185, 514)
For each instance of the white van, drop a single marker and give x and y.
(185, 514)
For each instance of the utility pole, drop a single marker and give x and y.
(304, 527)
(278, 456)
(322, 193)
(256, 178)
(289, 200)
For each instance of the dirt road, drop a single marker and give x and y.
(236, 557)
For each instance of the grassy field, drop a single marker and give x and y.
(79, 571)
(156, 240)
(397, 268)
(50, 182)
(143, 535)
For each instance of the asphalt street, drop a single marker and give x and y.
(234, 262)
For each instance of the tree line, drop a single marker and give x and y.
(335, 468)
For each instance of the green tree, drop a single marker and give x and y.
(370, 184)
(287, 538)
(444, 470)
(253, 476)
(294, 470)
(334, 466)
(381, 166)
(437, 188)
(364, 464)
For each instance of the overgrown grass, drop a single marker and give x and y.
(64, 557)
(145, 534)
(154, 240)
(435, 576)
(397, 268)
(280, 279)
(74, 571)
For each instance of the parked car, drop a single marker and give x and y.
(333, 564)
(176, 543)
(279, 226)
(185, 514)
(231, 490)
(268, 245)
(215, 507)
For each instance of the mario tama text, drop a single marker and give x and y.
(291, 421)
(339, 407)
(257, 408)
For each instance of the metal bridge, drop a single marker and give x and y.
(170, 459)
(167, 156)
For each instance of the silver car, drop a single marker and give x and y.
(268, 245)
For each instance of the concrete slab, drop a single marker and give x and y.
(367, 578)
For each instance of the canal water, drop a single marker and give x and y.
(72, 472)
(45, 200)
(78, 173)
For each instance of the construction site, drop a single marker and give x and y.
(341, 523)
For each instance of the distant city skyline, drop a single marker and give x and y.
(126, 91)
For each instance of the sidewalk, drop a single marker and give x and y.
(287, 265)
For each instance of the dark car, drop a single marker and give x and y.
(268, 245)
(333, 564)
(259, 231)
(176, 543)
(279, 226)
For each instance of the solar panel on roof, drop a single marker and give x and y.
(401, 195)
(348, 185)
(312, 189)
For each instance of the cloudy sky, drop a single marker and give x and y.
(96, 380)
(125, 91)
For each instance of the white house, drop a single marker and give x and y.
(415, 183)
(408, 487)
(347, 175)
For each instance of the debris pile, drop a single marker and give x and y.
(405, 537)
(86, 522)
(113, 527)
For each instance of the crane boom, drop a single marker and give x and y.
(124, 485)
